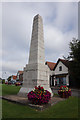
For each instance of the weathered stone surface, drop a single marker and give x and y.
(37, 42)
(36, 72)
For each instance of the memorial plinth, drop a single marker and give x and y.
(36, 72)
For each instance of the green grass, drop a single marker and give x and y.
(0, 89)
(63, 109)
(56, 94)
(0, 108)
(0, 101)
(10, 89)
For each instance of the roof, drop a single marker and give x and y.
(65, 62)
(14, 77)
(51, 65)
(20, 72)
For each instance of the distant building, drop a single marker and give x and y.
(51, 65)
(20, 76)
(59, 72)
(13, 78)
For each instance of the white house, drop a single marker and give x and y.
(59, 72)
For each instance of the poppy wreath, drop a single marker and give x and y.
(39, 96)
(64, 92)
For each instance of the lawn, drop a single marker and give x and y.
(10, 89)
(0, 101)
(0, 89)
(63, 109)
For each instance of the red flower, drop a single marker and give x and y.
(41, 88)
(36, 87)
(64, 91)
(61, 87)
(39, 96)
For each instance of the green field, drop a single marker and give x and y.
(10, 89)
(63, 109)
(0, 101)
(0, 89)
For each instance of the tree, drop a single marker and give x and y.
(75, 50)
(9, 78)
(3, 81)
(75, 63)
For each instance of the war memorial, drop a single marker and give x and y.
(36, 72)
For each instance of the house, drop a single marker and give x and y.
(51, 65)
(59, 72)
(20, 76)
(13, 78)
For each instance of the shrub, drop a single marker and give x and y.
(39, 96)
(3, 81)
(64, 92)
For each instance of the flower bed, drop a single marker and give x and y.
(39, 96)
(64, 92)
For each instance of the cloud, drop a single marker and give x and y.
(66, 16)
(40, 1)
(60, 31)
(60, 25)
(57, 43)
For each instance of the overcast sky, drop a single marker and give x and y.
(60, 23)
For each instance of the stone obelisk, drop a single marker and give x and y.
(36, 72)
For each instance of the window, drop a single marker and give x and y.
(64, 80)
(60, 68)
(57, 81)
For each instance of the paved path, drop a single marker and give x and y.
(24, 101)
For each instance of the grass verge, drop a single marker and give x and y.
(10, 89)
(63, 109)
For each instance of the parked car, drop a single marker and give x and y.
(21, 82)
(11, 82)
(6, 83)
(17, 84)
